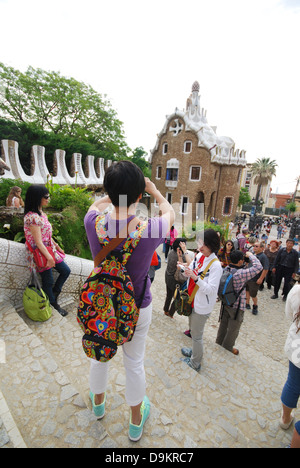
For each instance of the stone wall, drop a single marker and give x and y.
(15, 275)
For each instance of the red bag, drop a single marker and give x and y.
(192, 283)
(39, 258)
(154, 261)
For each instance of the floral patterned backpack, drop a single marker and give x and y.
(107, 311)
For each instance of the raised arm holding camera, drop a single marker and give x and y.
(231, 318)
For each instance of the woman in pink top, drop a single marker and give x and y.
(38, 234)
(171, 236)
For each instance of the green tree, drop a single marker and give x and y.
(263, 170)
(49, 102)
(138, 158)
(244, 197)
(7, 184)
(292, 207)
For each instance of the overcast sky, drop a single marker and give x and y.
(145, 57)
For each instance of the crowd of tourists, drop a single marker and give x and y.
(251, 263)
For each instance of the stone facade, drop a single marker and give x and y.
(191, 164)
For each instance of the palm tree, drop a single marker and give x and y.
(263, 170)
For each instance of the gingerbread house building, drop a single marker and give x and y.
(194, 167)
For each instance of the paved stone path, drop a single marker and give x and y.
(233, 402)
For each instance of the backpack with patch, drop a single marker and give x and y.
(226, 292)
(107, 311)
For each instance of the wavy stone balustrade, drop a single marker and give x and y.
(15, 275)
(92, 174)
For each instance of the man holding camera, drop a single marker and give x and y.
(231, 318)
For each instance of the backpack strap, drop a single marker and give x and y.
(204, 272)
(239, 293)
(201, 276)
(236, 269)
(108, 245)
(132, 241)
(111, 245)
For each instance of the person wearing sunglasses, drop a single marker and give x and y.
(38, 234)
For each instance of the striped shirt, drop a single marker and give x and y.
(242, 276)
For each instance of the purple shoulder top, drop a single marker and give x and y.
(139, 263)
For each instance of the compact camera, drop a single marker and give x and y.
(182, 267)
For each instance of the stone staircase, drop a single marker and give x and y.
(233, 402)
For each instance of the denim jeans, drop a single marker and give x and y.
(291, 390)
(48, 280)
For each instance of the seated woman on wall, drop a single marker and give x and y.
(14, 199)
(38, 234)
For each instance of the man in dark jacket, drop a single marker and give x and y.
(286, 266)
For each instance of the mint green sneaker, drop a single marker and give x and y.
(135, 432)
(99, 410)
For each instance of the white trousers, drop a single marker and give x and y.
(133, 359)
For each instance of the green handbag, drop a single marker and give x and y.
(182, 300)
(36, 302)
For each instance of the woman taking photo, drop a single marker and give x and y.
(206, 295)
(125, 184)
(38, 234)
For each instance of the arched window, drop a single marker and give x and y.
(227, 206)
(195, 173)
(187, 147)
(184, 205)
(158, 172)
